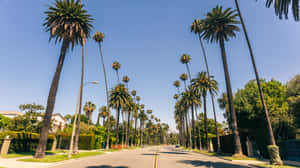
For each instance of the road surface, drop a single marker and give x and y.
(153, 157)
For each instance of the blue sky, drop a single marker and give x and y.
(147, 38)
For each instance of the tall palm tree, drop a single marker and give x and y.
(197, 28)
(68, 23)
(118, 98)
(184, 78)
(282, 7)
(176, 96)
(89, 108)
(116, 66)
(279, 9)
(136, 116)
(190, 99)
(219, 26)
(149, 111)
(126, 79)
(205, 84)
(99, 37)
(185, 59)
(177, 85)
(103, 112)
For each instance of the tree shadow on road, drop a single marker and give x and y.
(106, 166)
(175, 153)
(208, 164)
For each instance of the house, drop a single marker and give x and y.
(11, 114)
(58, 121)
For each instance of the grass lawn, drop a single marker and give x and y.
(58, 158)
(16, 155)
(272, 166)
(241, 158)
(210, 153)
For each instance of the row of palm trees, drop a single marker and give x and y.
(69, 23)
(219, 26)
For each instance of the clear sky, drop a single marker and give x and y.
(147, 38)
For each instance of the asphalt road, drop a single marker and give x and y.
(153, 157)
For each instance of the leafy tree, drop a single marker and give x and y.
(68, 23)
(219, 26)
(293, 94)
(4, 122)
(29, 122)
(83, 118)
(250, 111)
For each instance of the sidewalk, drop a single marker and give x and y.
(13, 163)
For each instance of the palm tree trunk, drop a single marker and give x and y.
(103, 121)
(128, 129)
(211, 95)
(199, 131)
(41, 148)
(135, 131)
(117, 126)
(216, 124)
(123, 126)
(188, 131)
(271, 135)
(189, 72)
(183, 130)
(107, 100)
(194, 128)
(237, 142)
(118, 76)
(98, 120)
(141, 132)
(205, 121)
(80, 104)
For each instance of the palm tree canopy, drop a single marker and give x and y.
(220, 25)
(176, 84)
(185, 58)
(103, 111)
(133, 93)
(282, 7)
(176, 96)
(119, 97)
(89, 107)
(98, 37)
(149, 111)
(191, 97)
(143, 116)
(67, 20)
(142, 106)
(116, 65)
(197, 26)
(183, 77)
(138, 98)
(126, 79)
(204, 84)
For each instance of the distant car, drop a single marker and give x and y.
(177, 146)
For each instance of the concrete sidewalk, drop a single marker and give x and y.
(13, 163)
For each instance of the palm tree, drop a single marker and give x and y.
(279, 9)
(197, 28)
(99, 37)
(126, 79)
(184, 78)
(116, 66)
(119, 97)
(205, 84)
(149, 111)
(176, 96)
(103, 112)
(190, 99)
(143, 118)
(219, 26)
(136, 116)
(89, 108)
(185, 59)
(68, 23)
(282, 7)
(177, 85)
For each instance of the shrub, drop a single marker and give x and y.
(86, 141)
(274, 155)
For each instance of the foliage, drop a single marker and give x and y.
(83, 118)
(274, 155)
(89, 108)
(281, 7)
(293, 93)
(4, 122)
(29, 122)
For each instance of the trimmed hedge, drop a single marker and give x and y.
(25, 141)
(86, 141)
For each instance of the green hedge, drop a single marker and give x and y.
(86, 141)
(25, 141)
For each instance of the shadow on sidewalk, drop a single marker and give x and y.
(208, 164)
(106, 166)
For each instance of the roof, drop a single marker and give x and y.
(11, 113)
(58, 114)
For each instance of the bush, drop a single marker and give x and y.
(25, 141)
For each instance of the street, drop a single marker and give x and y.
(152, 157)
